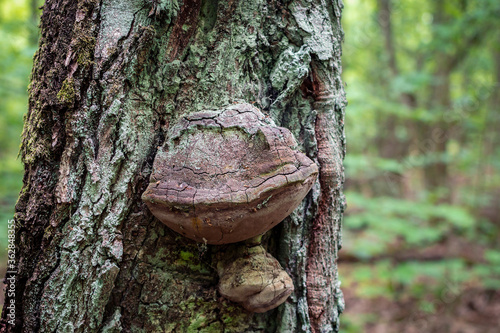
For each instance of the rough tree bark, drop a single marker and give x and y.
(108, 79)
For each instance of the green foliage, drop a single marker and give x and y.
(17, 37)
(356, 323)
(489, 271)
(407, 279)
(398, 128)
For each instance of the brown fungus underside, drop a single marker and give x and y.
(226, 176)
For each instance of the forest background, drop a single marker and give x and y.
(421, 249)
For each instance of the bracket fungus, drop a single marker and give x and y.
(227, 176)
(252, 277)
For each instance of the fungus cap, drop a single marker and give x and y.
(226, 176)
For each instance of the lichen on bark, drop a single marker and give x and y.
(91, 256)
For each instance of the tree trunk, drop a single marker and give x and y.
(390, 146)
(108, 80)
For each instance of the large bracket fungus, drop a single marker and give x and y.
(226, 176)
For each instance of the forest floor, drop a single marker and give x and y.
(455, 308)
(471, 311)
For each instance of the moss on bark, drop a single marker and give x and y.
(109, 78)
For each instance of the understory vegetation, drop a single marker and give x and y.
(18, 37)
(420, 238)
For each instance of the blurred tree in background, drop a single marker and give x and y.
(18, 40)
(421, 249)
(423, 185)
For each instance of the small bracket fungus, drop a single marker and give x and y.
(226, 176)
(252, 277)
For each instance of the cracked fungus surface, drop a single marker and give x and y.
(228, 175)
